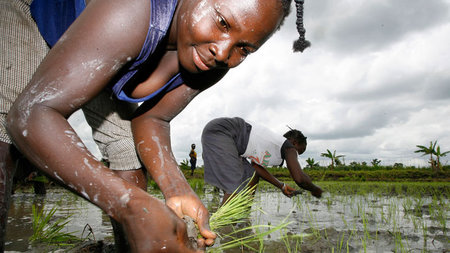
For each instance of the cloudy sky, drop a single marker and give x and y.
(374, 84)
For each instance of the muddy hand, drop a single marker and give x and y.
(287, 190)
(190, 205)
(317, 192)
(151, 226)
(297, 192)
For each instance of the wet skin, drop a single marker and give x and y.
(206, 38)
(7, 168)
(298, 175)
(301, 178)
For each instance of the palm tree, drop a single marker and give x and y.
(375, 162)
(332, 156)
(438, 155)
(311, 163)
(428, 151)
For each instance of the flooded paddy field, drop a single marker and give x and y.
(350, 217)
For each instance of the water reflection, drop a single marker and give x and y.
(380, 222)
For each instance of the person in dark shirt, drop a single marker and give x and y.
(193, 159)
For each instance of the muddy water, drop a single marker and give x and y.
(335, 223)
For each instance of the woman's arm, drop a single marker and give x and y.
(151, 131)
(103, 39)
(262, 172)
(265, 174)
(77, 68)
(300, 177)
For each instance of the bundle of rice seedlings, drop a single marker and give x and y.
(236, 210)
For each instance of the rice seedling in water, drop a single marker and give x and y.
(51, 233)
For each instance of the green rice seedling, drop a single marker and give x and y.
(418, 203)
(442, 217)
(398, 240)
(364, 244)
(313, 222)
(329, 202)
(261, 243)
(366, 230)
(424, 233)
(51, 233)
(392, 210)
(344, 220)
(340, 243)
(438, 211)
(415, 222)
(361, 208)
(407, 205)
(287, 239)
(246, 241)
(383, 218)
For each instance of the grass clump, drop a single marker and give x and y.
(51, 233)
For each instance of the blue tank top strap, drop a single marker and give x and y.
(53, 17)
(170, 85)
(160, 20)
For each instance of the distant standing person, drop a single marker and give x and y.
(227, 144)
(193, 156)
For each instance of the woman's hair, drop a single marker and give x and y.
(295, 135)
(301, 43)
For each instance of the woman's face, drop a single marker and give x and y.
(221, 33)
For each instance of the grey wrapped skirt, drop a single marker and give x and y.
(224, 140)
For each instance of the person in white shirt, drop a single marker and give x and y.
(228, 145)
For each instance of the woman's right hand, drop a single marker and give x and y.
(189, 204)
(287, 190)
(151, 226)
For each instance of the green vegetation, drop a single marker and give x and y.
(334, 158)
(311, 163)
(184, 165)
(235, 210)
(47, 231)
(236, 213)
(380, 213)
(389, 175)
(374, 204)
(432, 150)
(359, 172)
(350, 217)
